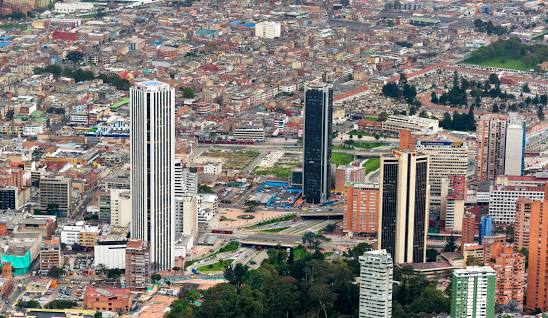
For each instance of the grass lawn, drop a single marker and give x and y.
(341, 159)
(275, 220)
(359, 133)
(215, 267)
(367, 145)
(372, 164)
(372, 118)
(230, 247)
(233, 160)
(276, 230)
(278, 172)
(503, 62)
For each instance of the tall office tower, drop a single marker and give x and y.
(473, 292)
(491, 147)
(537, 274)
(514, 160)
(448, 157)
(453, 196)
(404, 203)
(486, 227)
(362, 208)
(152, 113)
(318, 115)
(509, 267)
(468, 228)
(376, 270)
(522, 225)
(137, 265)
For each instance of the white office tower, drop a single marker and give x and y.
(186, 203)
(376, 271)
(268, 30)
(152, 113)
(186, 216)
(514, 160)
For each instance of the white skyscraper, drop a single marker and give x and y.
(515, 146)
(152, 113)
(186, 203)
(376, 271)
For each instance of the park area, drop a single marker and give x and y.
(502, 62)
(372, 164)
(341, 159)
(232, 160)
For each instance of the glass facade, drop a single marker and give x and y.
(318, 114)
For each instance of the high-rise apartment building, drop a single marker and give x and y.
(509, 267)
(137, 272)
(186, 215)
(537, 273)
(317, 138)
(348, 174)
(473, 292)
(448, 157)
(404, 203)
(523, 223)
(500, 146)
(503, 199)
(376, 270)
(56, 195)
(491, 147)
(152, 113)
(362, 208)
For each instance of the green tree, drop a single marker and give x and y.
(434, 98)
(56, 272)
(383, 116)
(28, 304)
(235, 274)
(9, 115)
(431, 255)
(98, 314)
(450, 245)
(188, 92)
(75, 56)
(61, 304)
(155, 277)
(114, 273)
(525, 88)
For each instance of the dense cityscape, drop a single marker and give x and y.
(282, 158)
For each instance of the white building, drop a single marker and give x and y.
(110, 254)
(152, 114)
(268, 30)
(395, 123)
(250, 133)
(502, 201)
(186, 215)
(120, 207)
(376, 272)
(447, 158)
(214, 168)
(70, 234)
(514, 161)
(71, 7)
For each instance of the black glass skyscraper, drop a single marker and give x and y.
(318, 114)
(403, 218)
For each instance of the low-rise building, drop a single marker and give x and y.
(108, 299)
